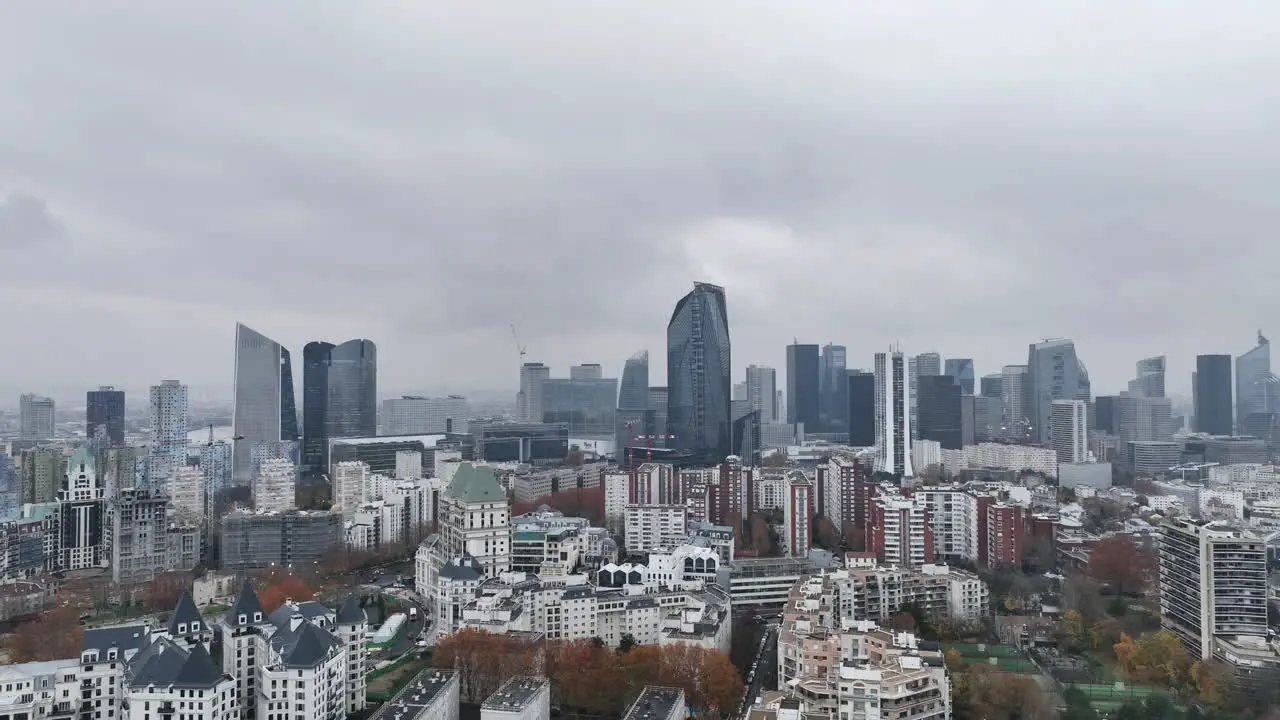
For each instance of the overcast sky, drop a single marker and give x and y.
(955, 177)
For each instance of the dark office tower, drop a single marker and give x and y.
(803, 386)
(862, 408)
(1212, 394)
(833, 395)
(339, 396)
(962, 370)
(658, 406)
(1106, 416)
(104, 413)
(938, 411)
(991, 386)
(699, 386)
(634, 418)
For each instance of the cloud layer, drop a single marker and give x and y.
(961, 180)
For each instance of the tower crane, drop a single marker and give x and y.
(521, 350)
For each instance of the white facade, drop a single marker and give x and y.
(475, 518)
(925, 453)
(186, 491)
(953, 515)
(1069, 430)
(893, 414)
(771, 491)
(902, 523)
(350, 482)
(1013, 457)
(649, 527)
(275, 486)
(520, 698)
(409, 464)
(169, 418)
(797, 515)
(617, 494)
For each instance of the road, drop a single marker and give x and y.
(766, 671)
(409, 638)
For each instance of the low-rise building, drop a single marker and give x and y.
(432, 695)
(520, 698)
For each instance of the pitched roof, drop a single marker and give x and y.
(475, 484)
(309, 609)
(164, 663)
(463, 568)
(122, 637)
(304, 646)
(247, 604)
(184, 613)
(351, 613)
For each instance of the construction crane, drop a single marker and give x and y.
(521, 350)
(648, 441)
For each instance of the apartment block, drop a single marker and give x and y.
(650, 527)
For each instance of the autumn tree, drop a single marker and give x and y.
(854, 536)
(485, 660)
(902, 622)
(1071, 631)
(825, 534)
(574, 502)
(163, 591)
(284, 587)
(984, 692)
(761, 542)
(55, 635)
(1211, 680)
(1121, 564)
(1156, 657)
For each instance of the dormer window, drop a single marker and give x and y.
(182, 628)
(112, 654)
(195, 626)
(243, 618)
(257, 617)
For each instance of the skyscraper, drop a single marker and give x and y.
(962, 370)
(803, 386)
(1211, 391)
(263, 408)
(104, 413)
(35, 417)
(634, 418)
(938, 411)
(1148, 378)
(919, 366)
(990, 385)
(1069, 430)
(1054, 372)
(1013, 397)
(833, 396)
(168, 412)
(762, 392)
(862, 408)
(529, 399)
(339, 397)
(893, 415)
(1255, 389)
(698, 374)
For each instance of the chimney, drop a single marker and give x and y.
(294, 621)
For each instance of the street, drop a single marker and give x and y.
(764, 676)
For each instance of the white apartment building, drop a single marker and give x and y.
(900, 531)
(529, 485)
(617, 495)
(409, 464)
(771, 490)
(659, 703)
(1013, 457)
(520, 698)
(797, 515)
(275, 486)
(475, 519)
(415, 415)
(925, 453)
(301, 662)
(433, 695)
(953, 515)
(685, 563)
(186, 491)
(1069, 430)
(350, 482)
(649, 527)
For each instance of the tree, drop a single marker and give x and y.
(1081, 594)
(1071, 631)
(163, 591)
(627, 642)
(983, 692)
(284, 587)
(760, 540)
(825, 534)
(775, 459)
(902, 622)
(485, 660)
(1157, 657)
(1211, 680)
(1078, 705)
(55, 635)
(954, 661)
(854, 536)
(574, 502)
(1120, 564)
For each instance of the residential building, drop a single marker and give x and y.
(955, 515)
(433, 694)
(647, 527)
(1211, 391)
(104, 415)
(900, 532)
(698, 374)
(275, 486)
(339, 397)
(81, 511)
(136, 523)
(797, 514)
(263, 407)
(475, 518)
(1008, 533)
(520, 698)
(893, 419)
(36, 417)
(43, 470)
(1069, 430)
(168, 453)
(658, 703)
(301, 538)
(350, 480)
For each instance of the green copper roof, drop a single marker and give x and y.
(475, 485)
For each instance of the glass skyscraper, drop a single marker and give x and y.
(263, 407)
(699, 386)
(339, 396)
(1256, 391)
(634, 417)
(104, 413)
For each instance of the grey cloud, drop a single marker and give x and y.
(25, 221)
(959, 180)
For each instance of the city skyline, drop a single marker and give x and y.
(319, 212)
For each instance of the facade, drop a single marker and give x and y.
(1054, 372)
(82, 515)
(263, 539)
(861, 387)
(797, 515)
(698, 374)
(339, 396)
(433, 694)
(649, 527)
(1069, 430)
(803, 386)
(275, 486)
(529, 399)
(168, 410)
(1211, 390)
(762, 392)
(137, 522)
(475, 519)
(349, 481)
(893, 416)
(962, 370)
(520, 698)
(901, 535)
(938, 411)
(586, 405)
(417, 415)
(1256, 389)
(833, 373)
(1148, 379)
(104, 415)
(525, 442)
(1015, 396)
(264, 411)
(36, 417)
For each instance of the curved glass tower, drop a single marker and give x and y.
(339, 396)
(1255, 389)
(633, 392)
(699, 389)
(263, 408)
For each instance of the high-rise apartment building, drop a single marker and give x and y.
(698, 374)
(1015, 389)
(104, 415)
(416, 415)
(263, 407)
(81, 515)
(962, 370)
(900, 532)
(797, 515)
(1054, 372)
(1256, 390)
(168, 409)
(1213, 584)
(475, 519)
(339, 397)
(893, 416)
(36, 417)
(529, 399)
(1069, 431)
(275, 486)
(1211, 391)
(803, 386)
(938, 411)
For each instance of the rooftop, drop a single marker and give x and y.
(656, 703)
(416, 697)
(515, 694)
(426, 440)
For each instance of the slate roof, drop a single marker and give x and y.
(351, 613)
(475, 484)
(122, 637)
(310, 610)
(246, 604)
(165, 664)
(184, 613)
(464, 568)
(304, 646)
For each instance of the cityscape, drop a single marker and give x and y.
(560, 360)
